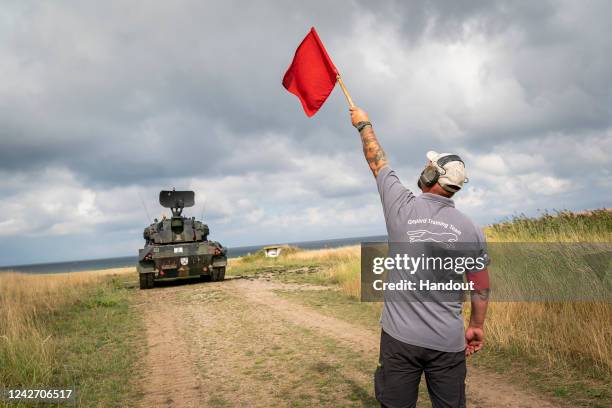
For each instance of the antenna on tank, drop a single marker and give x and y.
(144, 206)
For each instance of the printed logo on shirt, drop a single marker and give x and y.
(428, 236)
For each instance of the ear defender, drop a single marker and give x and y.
(429, 176)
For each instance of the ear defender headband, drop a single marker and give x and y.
(431, 173)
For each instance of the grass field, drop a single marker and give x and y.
(70, 329)
(81, 328)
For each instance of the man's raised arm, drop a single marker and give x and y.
(374, 154)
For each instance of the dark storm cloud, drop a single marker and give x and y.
(125, 91)
(146, 85)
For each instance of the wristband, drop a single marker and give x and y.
(361, 125)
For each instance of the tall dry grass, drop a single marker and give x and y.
(340, 266)
(577, 334)
(27, 304)
(560, 334)
(562, 226)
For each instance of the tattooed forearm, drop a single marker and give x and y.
(374, 154)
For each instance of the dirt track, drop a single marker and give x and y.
(237, 343)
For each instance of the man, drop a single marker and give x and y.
(420, 336)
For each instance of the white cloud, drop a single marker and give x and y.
(471, 198)
(51, 202)
(546, 185)
(492, 164)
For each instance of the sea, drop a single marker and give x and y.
(127, 261)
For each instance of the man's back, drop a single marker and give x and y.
(417, 221)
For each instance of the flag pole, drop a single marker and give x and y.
(348, 96)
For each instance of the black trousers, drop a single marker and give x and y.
(401, 365)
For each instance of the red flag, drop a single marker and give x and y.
(312, 74)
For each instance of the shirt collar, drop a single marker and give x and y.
(441, 199)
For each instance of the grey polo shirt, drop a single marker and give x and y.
(424, 218)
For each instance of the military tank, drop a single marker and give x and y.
(178, 247)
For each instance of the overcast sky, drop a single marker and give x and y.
(103, 104)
